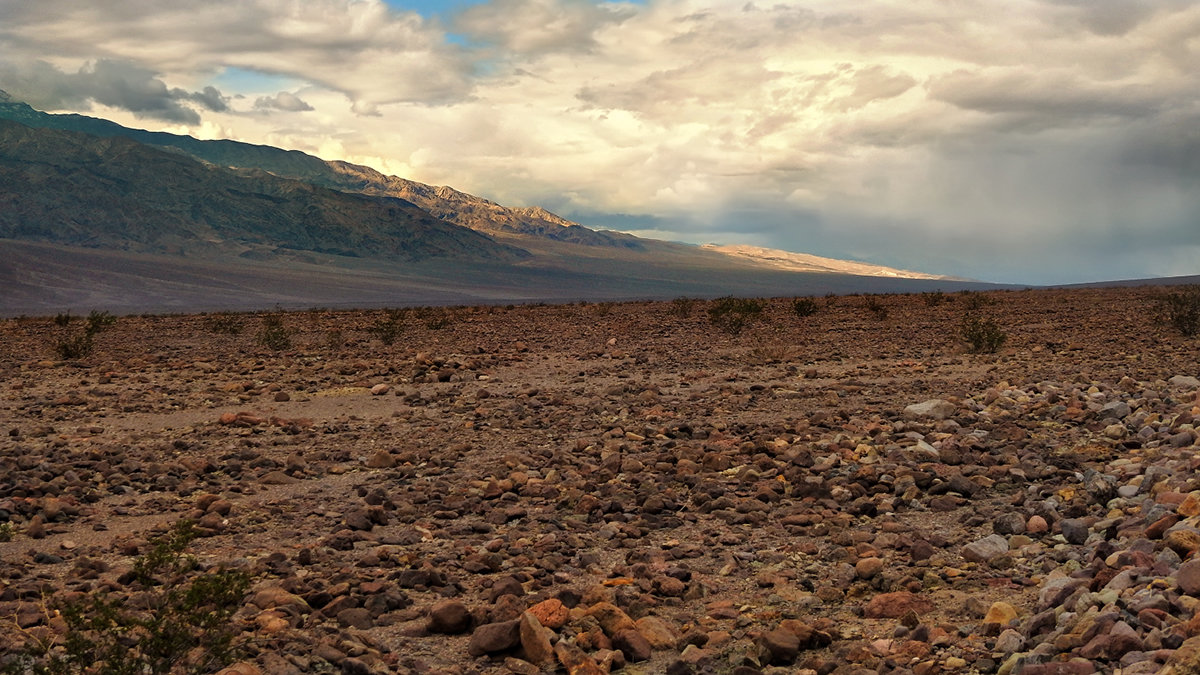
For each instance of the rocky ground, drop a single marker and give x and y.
(592, 488)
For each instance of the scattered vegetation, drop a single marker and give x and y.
(604, 308)
(733, 315)
(682, 307)
(176, 618)
(974, 301)
(875, 307)
(7, 530)
(335, 340)
(435, 318)
(275, 335)
(389, 326)
(803, 307)
(1181, 309)
(226, 322)
(63, 319)
(983, 336)
(935, 298)
(80, 345)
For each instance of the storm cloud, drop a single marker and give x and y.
(1051, 142)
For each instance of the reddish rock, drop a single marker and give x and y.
(632, 644)
(491, 638)
(535, 641)
(449, 616)
(610, 617)
(550, 613)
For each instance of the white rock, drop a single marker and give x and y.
(936, 408)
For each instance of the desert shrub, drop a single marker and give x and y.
(733, 315)
(875, 307)
(275, 335)
(176, 619)
(335, 340)
(604, 308)
(803, 307)
(682, 307)
(75, 346)
(78, 345)
(227, 323)
(98, 321)
(974, 301)
(983, 336)
(1181, 309)
(7, 530)
(435, 318)
(63, 319)
(934, 299)
(388, 327)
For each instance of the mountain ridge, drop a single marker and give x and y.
(112, 221)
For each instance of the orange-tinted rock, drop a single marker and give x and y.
(895, 605)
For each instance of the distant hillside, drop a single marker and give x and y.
(95, 215)
(804, 262)
(72, 188)
(444, 202)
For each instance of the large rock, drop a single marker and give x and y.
(1185, 381)
(535, 641)
(779, 647)
(895, 605)
(935, 409)
(449, 616)
(1188, 577)
(491, 638)
(986, 549)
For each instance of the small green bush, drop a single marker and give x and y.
(1181, 309)
(975, 301)
(79, 345)
(176, 618)
(803, 307)
(876, 308)
(388, 327)
(227, 323)
(682, 307)
(435, 318)
(934, 299)
(983, 336)
(275, 335)
(604, 308)
(7, 530)
(733, 315)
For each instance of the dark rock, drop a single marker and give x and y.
(449, 616)
(491, 638)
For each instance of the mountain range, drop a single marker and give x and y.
(94, 214)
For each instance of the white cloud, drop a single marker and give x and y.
(973, 137)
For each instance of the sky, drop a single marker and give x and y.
(1017, 141)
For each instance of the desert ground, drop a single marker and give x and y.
(624, 487)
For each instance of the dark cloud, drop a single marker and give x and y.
(1022, 97)
(112, 83)
(209, 97)
(282, 101)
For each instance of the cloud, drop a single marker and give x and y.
(360, 48)
(282, 101)
(525, 27)
(112, 83)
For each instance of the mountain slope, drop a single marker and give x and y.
(444, 202)
(72, 188)
(804, 262)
